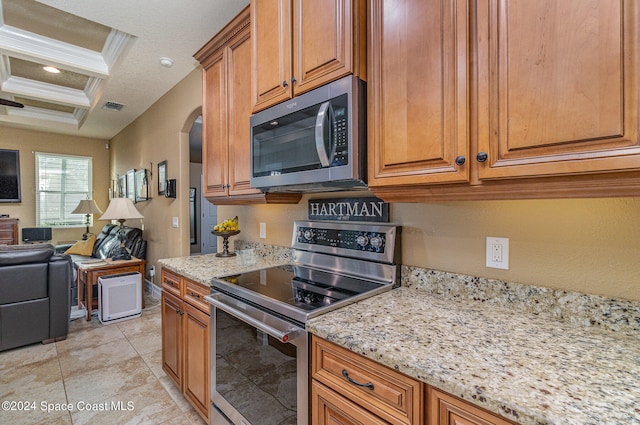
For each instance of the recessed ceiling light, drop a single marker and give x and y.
(51, 69)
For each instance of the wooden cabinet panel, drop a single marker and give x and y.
(444, 409)
(185, 339)
(329, 408)
(326, 39)
(418, 92)
(194, 294)
(196, 359)
(386, 393)
(557, 87)
(299, 45)
(214, 127)
(8, 231)
(172, 338)
(271, 41)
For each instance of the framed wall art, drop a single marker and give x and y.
(142, 185)
(131, 185)
(162, 177)
(122, 186)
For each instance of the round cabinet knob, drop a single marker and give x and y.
(308, 235)
(376, 242)
(284, 83)
(362, 240)
(482, 156)
(460, 160)
(293, 80)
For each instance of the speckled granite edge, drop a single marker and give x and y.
(573, 307)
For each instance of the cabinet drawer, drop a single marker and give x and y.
(171, 283)
(194, 294)
(384, 392)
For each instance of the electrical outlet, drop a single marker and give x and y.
(263, 230)
(497, 253)
(174, 221)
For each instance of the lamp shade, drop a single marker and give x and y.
(121, 209)
(87, 206)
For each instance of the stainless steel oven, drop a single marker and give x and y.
(259, 346)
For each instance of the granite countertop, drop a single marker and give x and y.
(527, 368)
(533, 355)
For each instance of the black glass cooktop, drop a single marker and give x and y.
(298, 286)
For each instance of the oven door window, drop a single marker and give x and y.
(255, 373)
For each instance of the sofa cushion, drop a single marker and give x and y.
(82, 247)
(25, 254)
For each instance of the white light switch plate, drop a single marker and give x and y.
(174, 221)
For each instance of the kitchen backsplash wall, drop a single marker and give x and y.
(584, 245)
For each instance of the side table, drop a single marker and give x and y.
(89, 271)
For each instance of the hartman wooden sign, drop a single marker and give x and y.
(349, 209)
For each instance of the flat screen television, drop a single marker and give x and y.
(10, 176)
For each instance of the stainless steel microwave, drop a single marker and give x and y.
(313, 142)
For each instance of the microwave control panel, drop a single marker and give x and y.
(340, 131)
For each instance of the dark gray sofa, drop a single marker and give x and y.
(35, 295)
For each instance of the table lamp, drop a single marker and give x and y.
(88, 207)
(121, 209)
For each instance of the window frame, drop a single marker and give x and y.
(66, 220)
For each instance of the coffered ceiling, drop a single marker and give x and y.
(108, 53)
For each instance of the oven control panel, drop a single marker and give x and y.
(346, 239)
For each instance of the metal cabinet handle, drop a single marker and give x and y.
(284, 83)
(193, 294)
(293, 80)
(346, 375)
(482, 156)
(460, 160)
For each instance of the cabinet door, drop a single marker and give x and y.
(446, 410)
(325, 40)
(238, 113)
(418, 92)
(329, 408)
(172, 337)
(271, 52)
(214, 127)
(196, 359)
(557, 86)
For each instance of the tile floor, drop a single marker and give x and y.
(96, 365)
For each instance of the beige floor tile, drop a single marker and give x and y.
(147, 342)
(153, 360)
(141, 325)
(40, 416)
(175, 394)
(89, 337)
(143, 404)
(87, 359)
(108, 381)
(26, 355)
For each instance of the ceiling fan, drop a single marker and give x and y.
(11, 103)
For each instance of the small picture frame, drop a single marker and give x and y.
(131, 185)
(162, 177)
(122, 186)
(142, 185)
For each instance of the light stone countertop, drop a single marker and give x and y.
(455, 333)
(529, 369)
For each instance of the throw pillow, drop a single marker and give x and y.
(82, 247)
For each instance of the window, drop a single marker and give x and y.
(63, 181)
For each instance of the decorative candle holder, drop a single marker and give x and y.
(225, 242)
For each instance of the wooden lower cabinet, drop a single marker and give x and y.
(349, 389)
(185, 339)
(329, 408)
(445, 409)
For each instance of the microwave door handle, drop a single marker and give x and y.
(321, 121)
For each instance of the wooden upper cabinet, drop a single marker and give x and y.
(557, 87)
(226, 110)
(271, 41)
(418, 92)
(299, 45)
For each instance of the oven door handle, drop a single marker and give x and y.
(279, 329)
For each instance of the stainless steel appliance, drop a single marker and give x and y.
(313, 142)
(259, 346)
